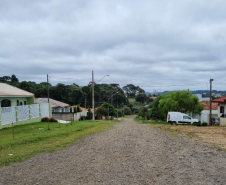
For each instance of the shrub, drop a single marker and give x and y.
(204, 124)
(45, 119)
(198, 124)
(52, 120)
(127, 111)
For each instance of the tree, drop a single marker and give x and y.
(111, 109)
(101, 111)
(141, 98)
(127, 111)
(14, 79)
(89, 114)
(78, 109)
(143, 112)
(179, 101)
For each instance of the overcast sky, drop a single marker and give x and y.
(151, 43)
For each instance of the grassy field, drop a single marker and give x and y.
(34, 138)
(131, 100)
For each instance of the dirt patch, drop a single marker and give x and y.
(212, 135)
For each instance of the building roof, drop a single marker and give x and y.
(206, 105)
(82, 108)
(220, 100)
(54, 103)
(7, 90)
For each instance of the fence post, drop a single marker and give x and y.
(29, 111)
(16, 110)
(40, 111)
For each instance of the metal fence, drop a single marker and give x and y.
(8, 115)
(23, 113)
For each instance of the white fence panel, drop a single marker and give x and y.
(23, 112)
(44, 110)
(8, 115)
(34, 110)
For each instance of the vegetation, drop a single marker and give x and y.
(34, 138)
(179, 101)
(143, 121)
(127, 111)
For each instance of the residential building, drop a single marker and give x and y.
(57, 106)
(13, 96)
(221, 105)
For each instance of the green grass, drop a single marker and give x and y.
(30, 139)
(141, 120)
(131, 100)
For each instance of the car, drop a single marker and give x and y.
(176, 118)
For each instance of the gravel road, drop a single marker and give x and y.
(130, 153)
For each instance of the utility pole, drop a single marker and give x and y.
(48, 95)
(117, 110)
(108, 108)
(48, 86)
(211, 80)
(93, 96)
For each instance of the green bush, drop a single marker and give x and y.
(204, 124)
(127, 111)
(46, 119)
(198, 124)
(119, 113)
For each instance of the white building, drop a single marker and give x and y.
(221, 105)
(57, 106)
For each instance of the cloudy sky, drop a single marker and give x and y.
(155, 44)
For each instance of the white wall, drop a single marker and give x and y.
(205, 115)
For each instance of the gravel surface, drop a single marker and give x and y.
(130, 153)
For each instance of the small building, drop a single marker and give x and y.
(13, 96)
(57, 106)
(205, 114)
(221, 105)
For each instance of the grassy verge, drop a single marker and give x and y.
(141, 120)
(35, 138)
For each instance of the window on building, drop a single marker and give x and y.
(222, 109)
(25, 103)
(21, 103)
(6, 103)
(17, 103)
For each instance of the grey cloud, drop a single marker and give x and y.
(148, 43)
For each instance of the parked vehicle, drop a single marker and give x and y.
(180, 118)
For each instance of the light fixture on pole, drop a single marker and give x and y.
(93, 101)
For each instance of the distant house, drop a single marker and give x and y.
(13, 96)
(206, 111)
(82, 108)
(221, 105)
(57, 106)
(152, 97)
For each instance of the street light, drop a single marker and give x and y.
(108, 102)
(93, 101)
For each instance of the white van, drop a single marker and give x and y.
(180, 118)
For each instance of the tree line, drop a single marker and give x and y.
(76, 95)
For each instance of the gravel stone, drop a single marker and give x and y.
(130, 153)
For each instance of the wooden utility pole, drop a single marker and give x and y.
(48, 86)
(211, 80)
(93, 96)
(48, 96)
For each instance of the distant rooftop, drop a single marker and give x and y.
(54, 103)
(206, 105)
(220, 100)
(9, 90)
